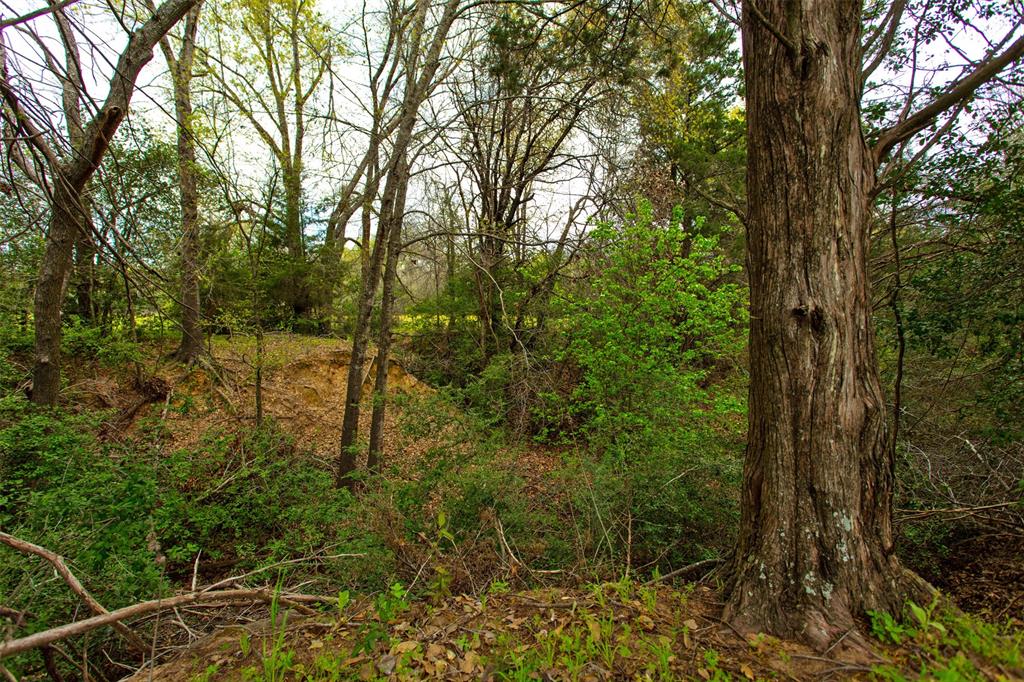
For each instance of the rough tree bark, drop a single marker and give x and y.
(815, 549)
(66, 207)
(180, 65)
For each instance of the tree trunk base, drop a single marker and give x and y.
(186, 356)
(45, 383)
(816, 613)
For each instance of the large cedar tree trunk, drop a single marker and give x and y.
(815, 549)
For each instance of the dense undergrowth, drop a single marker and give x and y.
(136, 517)
(608, 450)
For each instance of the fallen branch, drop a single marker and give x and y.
(112, 618)
(307, 559)
(686, 570)
(58, 564)
(16, 616)
(915, 514)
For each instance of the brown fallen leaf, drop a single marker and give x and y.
(470, 663)
(404, 647)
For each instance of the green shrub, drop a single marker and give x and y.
(946, 644)
(659, 314)
(653, 336)
(90, 342)
(61, 489)
(130, 519)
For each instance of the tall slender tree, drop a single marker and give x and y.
(419, 57)
(180, 65)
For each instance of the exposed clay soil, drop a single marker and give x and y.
(304, 383)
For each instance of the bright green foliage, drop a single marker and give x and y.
(663, 312)
(945, 644)
(660, 312)
(61, 489)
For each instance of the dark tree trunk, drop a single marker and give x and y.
(815, 549)
(361, 334)
(387, 309)
(54, 270)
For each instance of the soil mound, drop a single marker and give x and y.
(304, 382)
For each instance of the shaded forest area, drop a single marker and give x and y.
(511, 339)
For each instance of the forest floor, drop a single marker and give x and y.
(623, 630)
(619, 631)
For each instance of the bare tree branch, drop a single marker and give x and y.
(62, 632)
(958, 92)
(24, 18)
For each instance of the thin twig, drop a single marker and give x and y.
(909, 514)
(686, 570)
